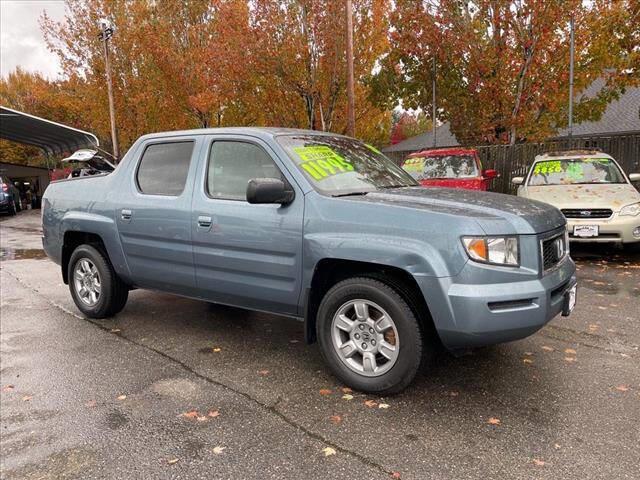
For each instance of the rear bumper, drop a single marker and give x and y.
(616, 229)
(478, 314)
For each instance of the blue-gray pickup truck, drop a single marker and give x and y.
(318, 227)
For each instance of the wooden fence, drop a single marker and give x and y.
(513, 160)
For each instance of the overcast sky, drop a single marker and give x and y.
(21, 42)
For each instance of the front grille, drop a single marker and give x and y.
(553, 250)
(587, 213)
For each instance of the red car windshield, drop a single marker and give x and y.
(442, 167)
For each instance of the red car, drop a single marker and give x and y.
(449, 167)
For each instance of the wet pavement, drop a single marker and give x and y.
(176, 388)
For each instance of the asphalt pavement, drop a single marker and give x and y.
(176, 388)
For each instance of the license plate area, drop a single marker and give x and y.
(586, 231)
(569, 304)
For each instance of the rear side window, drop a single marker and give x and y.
(232, 164)
(164, 167)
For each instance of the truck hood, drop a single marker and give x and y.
(495, 212)
(613, 196)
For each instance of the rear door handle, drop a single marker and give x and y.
(126, 214)
(204, 221)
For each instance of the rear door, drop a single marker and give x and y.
(245, 255)
(154, 214)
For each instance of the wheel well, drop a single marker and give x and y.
(328, 272)
(73, 240)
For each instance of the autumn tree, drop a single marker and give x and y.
(502, 66)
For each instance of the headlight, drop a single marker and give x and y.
(496, 250)
(631, 210)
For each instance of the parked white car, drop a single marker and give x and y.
(591, 190)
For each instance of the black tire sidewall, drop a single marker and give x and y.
(102, 308)
(410, 336)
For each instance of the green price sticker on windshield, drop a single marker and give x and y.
(322, 162)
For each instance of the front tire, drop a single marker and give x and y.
(94, 285)
(369, 336)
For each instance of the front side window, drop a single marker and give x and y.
(164, 167)
(442, 166)
(342, 166)
(232, 164)
(575, 171)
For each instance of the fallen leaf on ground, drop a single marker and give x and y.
(395, 475)
(121, 397)
(493, 421)
(218, 450)
(335, 419)
(201, 418)
(538, 462)
(454, 394)
(328, 451)
(90, 404)
(346, 396)
(527, 360)
(383, 405)
(325, 391)
(294, 341)
(528, 354)
(622, 388)
(569, 359)
(191, 414)
(8, 388)
(370, 403)
(556, 446)
(172, 461)
(115, 330)
(213, 413)
(26, 398)
(263, 372)
(216, 349)
(548, 349)
(601, 307)
(346, 390)
(570, 351)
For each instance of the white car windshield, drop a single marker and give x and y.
(571, 171)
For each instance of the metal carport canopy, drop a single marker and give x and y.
(54, 138)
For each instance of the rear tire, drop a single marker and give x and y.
(95, 287)
(362, 349)
(13, 209)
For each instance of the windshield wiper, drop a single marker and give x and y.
(349, 194)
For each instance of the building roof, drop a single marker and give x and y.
(622, 115)
(54, 138)
(444, 138)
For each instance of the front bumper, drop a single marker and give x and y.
(617, 229)
(478, 314)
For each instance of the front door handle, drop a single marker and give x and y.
(126, 214)
(204, 221)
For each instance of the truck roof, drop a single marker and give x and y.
(572, 154)
(261, 132)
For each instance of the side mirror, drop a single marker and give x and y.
(269, 190)
(517, 180)
(490, 173)
(634, 177)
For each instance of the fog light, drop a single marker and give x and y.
(636, 232)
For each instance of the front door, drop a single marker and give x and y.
(245, 255)
(154, 215)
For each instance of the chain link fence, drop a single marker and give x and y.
(514, 160)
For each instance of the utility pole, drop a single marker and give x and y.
(571, 53)
(433, 101)
(351, 102)
(105, 34)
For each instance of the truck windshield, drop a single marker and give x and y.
(342, 166)
(575, 171)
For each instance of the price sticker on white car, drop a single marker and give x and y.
(585, 231)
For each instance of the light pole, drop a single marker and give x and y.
(106, 33)
(571, 54)
(351, 102)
